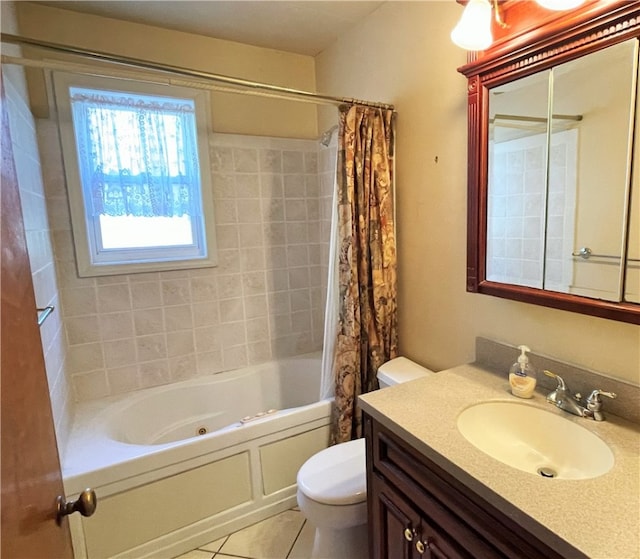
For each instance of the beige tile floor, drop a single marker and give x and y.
(284, 536)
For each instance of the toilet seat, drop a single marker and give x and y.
(336, 475)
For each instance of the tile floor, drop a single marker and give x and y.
(284, 536)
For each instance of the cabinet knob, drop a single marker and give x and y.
(408, 534)
(420, 547)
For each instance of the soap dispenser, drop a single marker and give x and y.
(522, 376)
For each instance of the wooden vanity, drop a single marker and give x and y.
(432, 494)
(416, 509)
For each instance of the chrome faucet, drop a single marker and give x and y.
(562, 398)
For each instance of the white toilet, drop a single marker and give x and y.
(332, 486)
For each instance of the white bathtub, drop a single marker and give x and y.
(164, 489)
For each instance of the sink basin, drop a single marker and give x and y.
(534, 440)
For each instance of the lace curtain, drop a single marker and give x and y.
(367, 331)
(137, 154)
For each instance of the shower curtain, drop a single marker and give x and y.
(367, 323)
(332, 305)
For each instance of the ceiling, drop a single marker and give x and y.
(303, 27)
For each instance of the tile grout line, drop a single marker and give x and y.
(221, 553)
(293, 544)
(215, 553)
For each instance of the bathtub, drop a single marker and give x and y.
(177, 466)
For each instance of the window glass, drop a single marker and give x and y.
(134, 170)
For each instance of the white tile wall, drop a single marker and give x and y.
(517, 224)
(516, 205)
(38, 235)
(264, 300)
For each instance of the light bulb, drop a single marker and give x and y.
(473, 31)
(559, 4)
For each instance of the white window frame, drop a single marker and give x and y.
(86, 227)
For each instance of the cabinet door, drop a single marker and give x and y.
(438, 544)
(395, 526)
(403, 533)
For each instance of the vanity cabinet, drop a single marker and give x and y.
(418, 510)
(406, 532)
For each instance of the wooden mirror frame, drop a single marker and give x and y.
(535, 39)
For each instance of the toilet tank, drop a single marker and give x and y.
(400, 370)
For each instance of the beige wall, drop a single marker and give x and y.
(403, 54)
(238, 114)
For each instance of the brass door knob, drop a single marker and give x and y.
(85, 504)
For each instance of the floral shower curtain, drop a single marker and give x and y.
(367, 331)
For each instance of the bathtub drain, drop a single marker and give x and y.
(201, 431)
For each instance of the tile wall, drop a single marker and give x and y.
(515, 243)
(264, 300)
(38, 236)
(518, 220)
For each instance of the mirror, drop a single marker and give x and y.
(558, 193)
(632, 284)
(554, 187)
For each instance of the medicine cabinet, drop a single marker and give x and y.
(553, 176)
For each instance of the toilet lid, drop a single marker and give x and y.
(336, 475)
(401, 370)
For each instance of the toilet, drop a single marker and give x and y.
(332, 486)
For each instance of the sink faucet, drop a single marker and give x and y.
(562, 398)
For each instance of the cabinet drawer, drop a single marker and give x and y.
(447, 503)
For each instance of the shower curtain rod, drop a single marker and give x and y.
(541, 120)
(229, 80)
(149, 77)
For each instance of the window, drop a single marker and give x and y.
(133, 156)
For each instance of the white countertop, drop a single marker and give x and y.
(598, 516)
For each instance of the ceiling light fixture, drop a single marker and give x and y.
(473, 31)
(559, 4)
